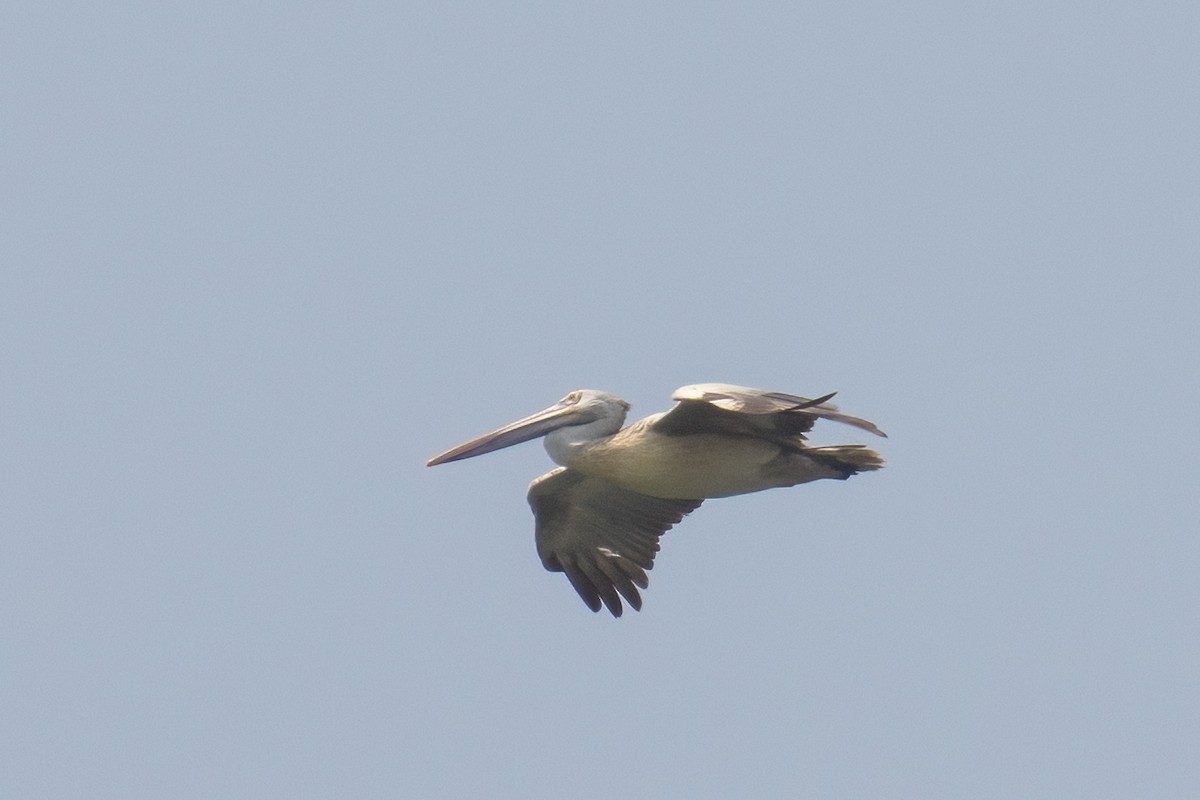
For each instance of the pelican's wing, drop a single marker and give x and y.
(602, 536)
(724, 408)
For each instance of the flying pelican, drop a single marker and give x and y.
(598, 517)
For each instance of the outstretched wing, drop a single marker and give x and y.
(602, 536)
(740, 410)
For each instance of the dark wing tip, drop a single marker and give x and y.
(583, 587)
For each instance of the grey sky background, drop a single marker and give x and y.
(261, 260)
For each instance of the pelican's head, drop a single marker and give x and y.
(581, 416)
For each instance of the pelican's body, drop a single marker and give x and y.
(702, 465)
(599, 516)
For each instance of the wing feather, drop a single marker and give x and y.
(583, 585)
(604, 586)
(610, 565)
(601, 536)
(740, 410)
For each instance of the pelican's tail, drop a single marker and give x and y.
(846, 459)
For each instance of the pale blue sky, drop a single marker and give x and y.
(261, 260)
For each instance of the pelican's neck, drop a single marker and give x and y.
(565, 444)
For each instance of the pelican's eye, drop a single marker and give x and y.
(572, 398)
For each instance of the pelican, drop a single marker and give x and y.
(599, 515)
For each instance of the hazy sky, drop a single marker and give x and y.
(259, 261)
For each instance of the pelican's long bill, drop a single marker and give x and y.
(522, 430)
